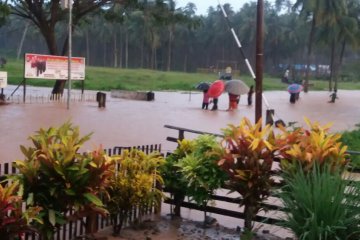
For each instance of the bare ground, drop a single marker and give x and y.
(166, 228)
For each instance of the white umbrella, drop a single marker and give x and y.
(236, 87)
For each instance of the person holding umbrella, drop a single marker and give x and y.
(235, 88)
(206, 98)
(215, 90)
(294, 90)
(233, 102)
(250, 93)
(204, 86)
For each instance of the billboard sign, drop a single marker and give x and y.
(3, 79)
(53, 67)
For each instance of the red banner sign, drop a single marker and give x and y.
(53, 67)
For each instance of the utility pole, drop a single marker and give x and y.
(259, 59)
(69, 52)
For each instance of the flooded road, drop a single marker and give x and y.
(129, 122)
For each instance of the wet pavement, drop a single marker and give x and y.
(129, 122)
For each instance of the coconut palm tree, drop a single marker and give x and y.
(337, 29)
(308, 11)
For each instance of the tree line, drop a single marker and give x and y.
(159, 35)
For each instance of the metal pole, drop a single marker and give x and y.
(257, 109)
(24, 94)
(259, 59)
(69, 53)
(237, 41)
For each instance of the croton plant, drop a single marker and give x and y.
(59, 179)
(134, 186)
(309, 146)
(14, 222)
(249, 152)
(247, 158)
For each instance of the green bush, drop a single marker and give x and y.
(200, 169)
(320, 205)
(173, 178)
(14, 221)
(57, 178)
(352, 140)
(133, 186)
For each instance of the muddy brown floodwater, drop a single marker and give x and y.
(129, 122)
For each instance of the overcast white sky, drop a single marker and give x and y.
(203, 5)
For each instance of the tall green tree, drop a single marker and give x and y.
(177, 17)
(4, 12)
(337, 29)
(187, 40)
(309, 12)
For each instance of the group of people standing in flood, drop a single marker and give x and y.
(295, 87)
(234, 88)
(234, 99)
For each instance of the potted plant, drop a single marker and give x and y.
(174, 181)
(200, 170)
(309, 146)
(247, 158)
(134, 186)
(14, 222)
(318, 202)
(59, 179)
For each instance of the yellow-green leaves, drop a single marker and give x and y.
(13, 220)
(198, 168)
(58, 178)
(133, 185)
(247, 160)
(307, 146)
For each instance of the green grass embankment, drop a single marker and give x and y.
(104, 78)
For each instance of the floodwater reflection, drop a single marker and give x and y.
(129, 122)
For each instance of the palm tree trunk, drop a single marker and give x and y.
(121, 49)
(115, 50)
(126, 48)
(104, 54)
(308, 59)
(343, 46)
(169, 49)
(185, 62)
(332, 65)
(22, 41)
(87, 47)
(142, 50)
(339, 64)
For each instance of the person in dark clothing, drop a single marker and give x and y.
(292, 97)
(250, 93)
(215, 104)
(333, 97)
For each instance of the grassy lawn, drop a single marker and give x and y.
(101, 78)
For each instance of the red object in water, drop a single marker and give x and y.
(216, 89)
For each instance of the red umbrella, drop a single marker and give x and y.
(216, 89)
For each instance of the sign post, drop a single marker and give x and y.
(3, 84)
(3, 80)
(259, 59)
(69, 52)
